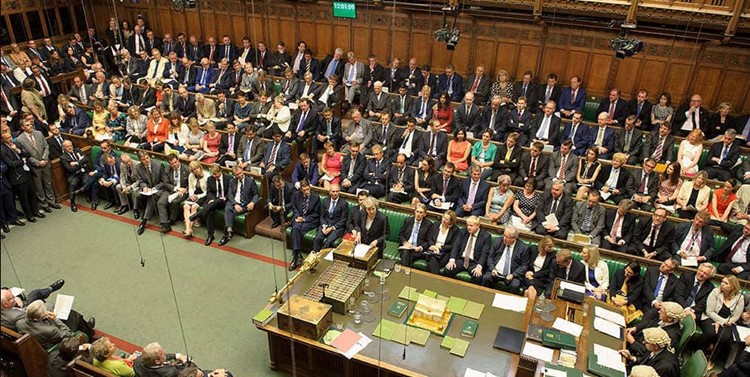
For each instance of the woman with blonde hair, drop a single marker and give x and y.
(135, 126)
(690, 152)
(103, 352)
(724, 308)
(500, 201)
(596, 273)
(720, 122)
(197, 191)
(99, 121)
(693, 196)
(502, 86)
(536, 278)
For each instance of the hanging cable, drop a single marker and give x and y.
(47, 18)
(174, 296)
(13, 266)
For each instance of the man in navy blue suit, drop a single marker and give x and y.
(376, 174)
(452, 83)
(242, 197)
(277, 156)
(203, 77)
(227, 50)
(306, 216)
(508, 262)
(470, 251)
(333, 215)
(604, 137)
(572, 99)
(474, 194)
(306, 170)
(578, 133)
(615, 107)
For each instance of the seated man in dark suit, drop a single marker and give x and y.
(659, 145)
(660, 285)
(507, 159)
(508, 262)
(696, 288)
(578, 133)
(386, 134)
(474, 193)
(229, 145)
(647, 183)
(557, 202)
(467, 115)
(400, 106)
(614, 107)
(421, 109)
(76, 122)
(251, 148)
(619, 225)
(376, 174)
(154, 362)
(470, 251)
(563, 166)
(668, 318)
(434, 144)
(413, 239)
(328, 129)
(694, 240)
(303, 124)
(629, 141)
(445, 187)
(565, 268)
(603, 137)
(572, 98)
(81, 176)
(663, 362)
(533, 165)
(653, 237)
(306, 169)
(333, 218)
(278, 155)
(546, 127)
(588, 218)
(615, 180)
(734, 253)
(217, 187)
(352, 168)
(372, 227)
(641, 108)
(377, 102)
(175, 185)
(723, 156)
(305, 216)
(400, 181)
(280, 201)
(242, 197)
(495, 115)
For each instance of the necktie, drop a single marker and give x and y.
(626, 147)
(476, 84)
(331, 209)
(600, 137)
(382, 136)
(642, 188)
(301, 121)
(247, 150)
(573, 133)
(492, 119)
(543, 130)
(59, 140)
(553, 209)
(507, 154)
(693, 293)
(203, 77)
(305, 203)
(445, 187)
(226, 52)
(735, 248)
(524, 89)
(156, 68)
(611, 110)
(693, 120)
(724, 153)
(414, 233)
(352, 164)
(352, 72)
(638, 113)
(548, 94)
(658, 285)
(230, 148)
(532, 169)
(432, 143)
(272, 160)
(573, 97)
(506, 266)
(403, 99)
(469, 251)
(331, 68)
(31, 139)
(561, 172)
(7, 103)
(328, 128)
(260, 61)
(422, 113)
(615, 226)
(659, 149)
(211, 54)
(472, 193)
(450, 85)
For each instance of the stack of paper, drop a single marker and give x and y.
(568, 327)
(473, 309)
(409, 293)
(607, 327)
(361, 250)
(537, 352)
(350, 343)
(510, 302)
(614, 317)
(609, 358)
(580, 288)
(475, 373)
(63, 305)
(429, 293)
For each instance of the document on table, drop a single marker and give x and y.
(149, 192)
(537, 352)
(609, 358)
(572, 287)
(567, 327)
(350, 343)
(63, 305)
(607, 327)
(614, 317)
(361, 250)
(510, 302)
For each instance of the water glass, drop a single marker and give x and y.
(397, 267)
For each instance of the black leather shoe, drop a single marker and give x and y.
(193, 217)
(93, 205)
(18, 222)
(92, 322)
(41, 215)
(136, 214)
(295, 263)
(141, 228)
(55, 205)
(73, 207)
(57, 285)
(122, 210)
(109, 205)
(223, 241)
(6, 228)
(209, 239)
(31, 219)
(275, 225)
(47, 209)
(165, 228)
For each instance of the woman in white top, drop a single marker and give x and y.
(596, 273)
(693, 196)
(724, 308)
(279, 115)
(196, 195)
(690, 152)
(178, 132)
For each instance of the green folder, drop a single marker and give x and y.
(263, 317)
(385, 329)
(429, 293)
(469, 328)
(418, 336)
(456, 305)
(448, 342)
(398, 308)
(569, 371)
(594, 367)
(460, 347)
(409, 293)
(401, 334)
(473, 309)
(557, 339)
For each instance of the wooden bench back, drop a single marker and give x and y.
(31, 354)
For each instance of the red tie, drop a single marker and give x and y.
(476, 84)
(532, 170)
(615, 226)
(735, 249)
(211, 55)
(561, 173)
(611, 110)
(45, 88)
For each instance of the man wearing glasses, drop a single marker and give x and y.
(647, 186)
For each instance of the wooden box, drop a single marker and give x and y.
(305, 317)
(344, 253)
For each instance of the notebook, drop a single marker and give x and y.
(509, 340)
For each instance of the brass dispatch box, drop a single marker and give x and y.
(344, 253)
(309, 318)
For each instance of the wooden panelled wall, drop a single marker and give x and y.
(677, 66)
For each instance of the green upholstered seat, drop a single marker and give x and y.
(695, 366)
(589, 110)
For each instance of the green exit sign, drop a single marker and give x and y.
(344, 9)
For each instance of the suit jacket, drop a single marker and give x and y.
(453, 189)
(169, 103)
(310, 174)
(726, 164)
(628, 225)
(407, 179)
(176, 66)
(83, 167)
(416, 108)
(621, 109)
(635, 149)
(156, 180)
(4, 109)
(432, 236)
(283, 155)
(394, 77)
(521, 123)
(445, 84)
(169, 181)
(270, 88)
(391, 140)
(261, 59)
(164, 370)
(519, 263)
(367, 132)
(512, 163)
(645, 114)
(564, 211)
(290, 89)
(571, 166)
(597, 219)
(146, 98)
(377, 173)
(221, 52)
(360, 163)
(310, 121)
(468, 120)
(255, 155)
(664, 363)
(187, 76)
(726, 248)
(223, 80)
(635, 288)
(706, 239)
(680, 117)
(378, 230)
(14, 162)
(81, 94)
(652, 143)
(608, 141)
(673, 290)
(284, 196)
(340, 213)
(542, 94)
(652, 184)
(335, 136)
(338, 70)
(224, 144)
(480, 197)
(664, 239)
(195, 52)
(531, 93)
(482, 247)
(422, 236)
(541, 277)
(38, 151)
(311, 214)
(567, 102)
(687, 281)
(249, 192)
(377, 103)
(204, 79)
(313, 66)
(47, 332)
(55, 147)
(441, 146)
(576, 274)
(497, 125)
(541, 169)
(482, 94)
(625, 182)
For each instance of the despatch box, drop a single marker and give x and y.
(305, 317)
(344, 252)
(339, 282)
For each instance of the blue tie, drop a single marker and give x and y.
(414, 233)
(506, 267)
(658, 286)
(330, 210)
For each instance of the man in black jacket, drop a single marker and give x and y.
(565, 268)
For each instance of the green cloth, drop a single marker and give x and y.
(116, 367)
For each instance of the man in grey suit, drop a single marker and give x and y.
(152, 175)
(353, 74)
(588, 217)
(128, 186)
(251, 148)
(377, 102)
(33, 142)
(359, 130)
(289, 86)
(175, 187)
(629, 140)
(563, 166)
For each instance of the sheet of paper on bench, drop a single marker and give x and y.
(614, 317)
(63, 305)
(572, 287)
(510, 302)
(607, 327)
(361, 250)
(609, 358)
(605, 195)
(537, 352)
(567, 327)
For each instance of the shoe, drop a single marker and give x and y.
(73, 207)
(187, 235)
(193, 217)
(55, 205)
(165, 228)
(47, 209)
(209, 239)
(109, 205)
(141, 228)
(31, 219)
(57, 285)
(92, 322)
(295, 263)
(6, 228)
(41, 215)
(136, 214)
(224, 240)
(17, 222)
(93, 205)
(275, 225)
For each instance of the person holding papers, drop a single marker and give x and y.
(473, 195)
(626, 291)
(470, 251)
(554, 212)
(413, 237)
(541, 258)
(723, 309)
(507, 262)
(660, 354)
(524, 207)
(400, 182)
(372, 228)
(564, 268)
(693, 241)
(330, 166)
(619, 225)
(596, 273)
(588, 218)
(616, 182)
(445, 188)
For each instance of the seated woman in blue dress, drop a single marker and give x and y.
(596, 273)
